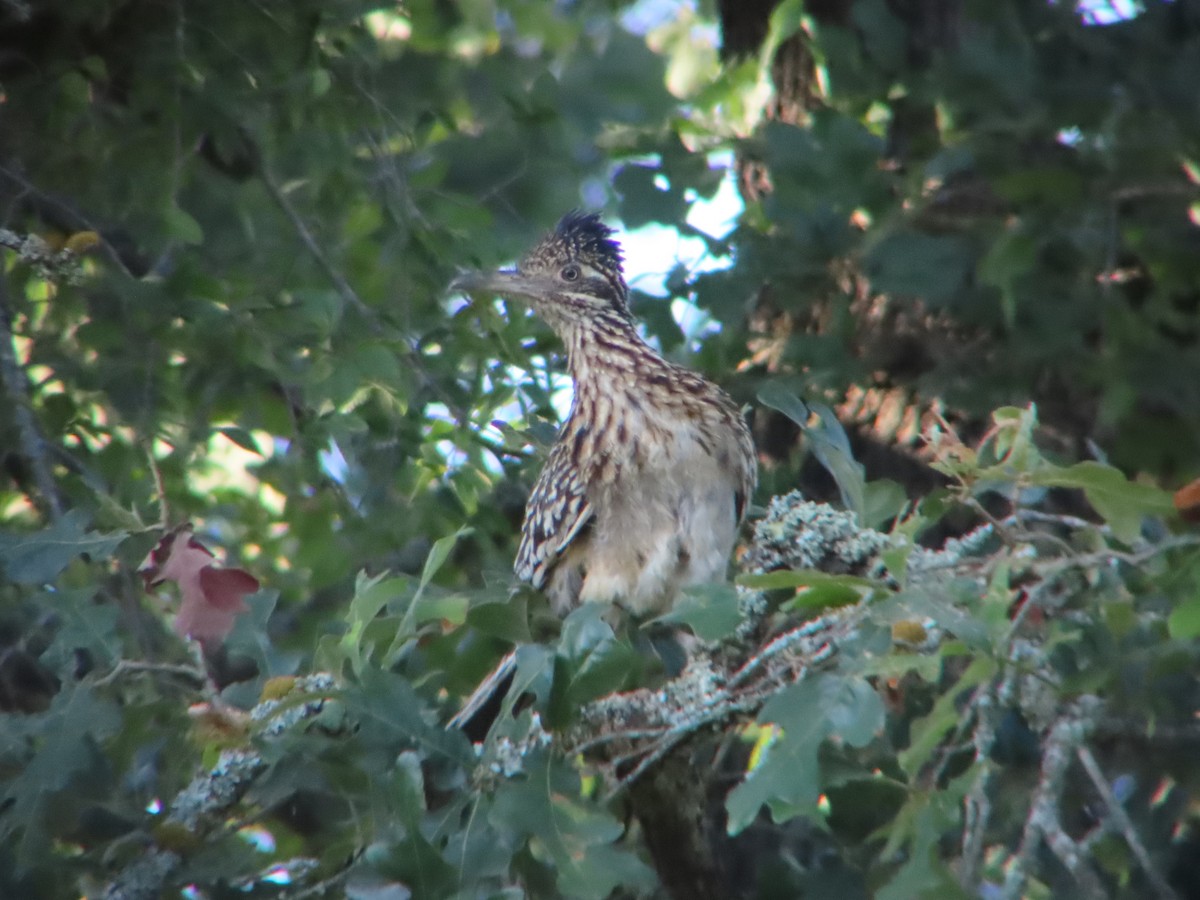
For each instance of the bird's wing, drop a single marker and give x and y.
(557, 510)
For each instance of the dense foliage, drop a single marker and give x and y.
(226, 238)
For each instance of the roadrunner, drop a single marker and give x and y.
(645, 487)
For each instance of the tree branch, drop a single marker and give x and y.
(1043, 823)
(16, 388)
(204, 804)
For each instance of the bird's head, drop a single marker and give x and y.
(571, 275)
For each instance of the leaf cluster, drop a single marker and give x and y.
(226, 239)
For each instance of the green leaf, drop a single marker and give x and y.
(1010, 258)
(371, 595)
(854, 709)
(897, 664)
(923, 875)
(882, 500)
(438, 554)
(956, 608)
(710, 610)
(788, 772)
(785, 20)
(38, 557)
(451, 608)
(787, 777)
(1121, 618)
(1013, 437)
(928, 731)
(1121, 502)
(607, 668)
(89, 622)
(816, 590)
(913, 264)
(1184, 621)
(387, 709)
(591, 662)
(777, 396)
(583, 630)
(505, 616)
(576, 836)
(251, 637)
(828, 441)
(321, 82)
(363, 635)
(379, 365)
(534, 673)
(181, 226)
(72, 730)
(925, 820)
(895, 560)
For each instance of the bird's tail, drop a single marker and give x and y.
(483, 706)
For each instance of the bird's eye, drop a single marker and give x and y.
(569, 273)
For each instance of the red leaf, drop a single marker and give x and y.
(212, 597)
(225, 588)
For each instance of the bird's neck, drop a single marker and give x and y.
(606, 355)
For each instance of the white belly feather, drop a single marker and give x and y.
(666, 523)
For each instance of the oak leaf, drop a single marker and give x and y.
(212, 596)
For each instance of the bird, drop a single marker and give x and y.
(646, 485)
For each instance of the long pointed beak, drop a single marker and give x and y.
(505, 282)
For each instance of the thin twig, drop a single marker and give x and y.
(326, 885)
(1060, 566)
(1023, 514)
(1165, 189)
(816, 629)
(1120, 818)
(86, 475)
(612, 737)
(351, 297)
(676, 735)
(160, 487)
(977, 805)
(655, 755)
(347, 293)
(129, 666)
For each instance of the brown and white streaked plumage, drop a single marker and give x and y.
(651, 473)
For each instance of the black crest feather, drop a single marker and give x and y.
(590, 238)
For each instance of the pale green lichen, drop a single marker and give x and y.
(144, 878)
(506, 757)
(49, 263)
(952, 552)
(218, 788)
(283, 713)
(799, 534)
(690, 698)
